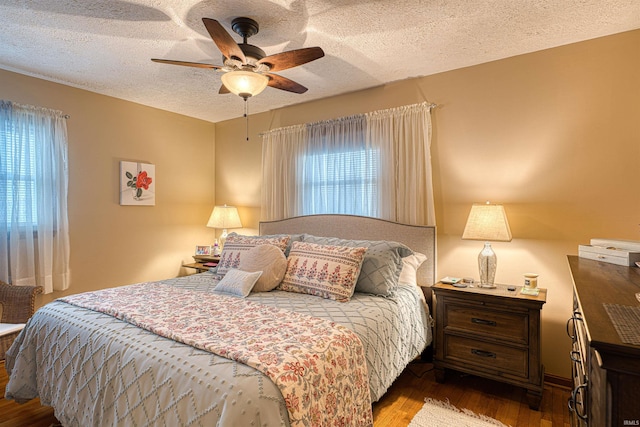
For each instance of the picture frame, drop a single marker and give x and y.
(137, 184)
(203, 250)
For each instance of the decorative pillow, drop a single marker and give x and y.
(381, 266)
(292, 238)
(268, 259)
(237, 282)
(237, 245)
(410, 265)
(327, 271)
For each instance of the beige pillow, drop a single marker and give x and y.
(270, 260)
(237, 245)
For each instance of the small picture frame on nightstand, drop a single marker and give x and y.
(203, 250)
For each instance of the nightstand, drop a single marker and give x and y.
(199, 266)
(491, 333)
(200, 260)
(206, 258)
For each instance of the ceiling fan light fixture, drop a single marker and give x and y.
(244, 83)
(248, 70)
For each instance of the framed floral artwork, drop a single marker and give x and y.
(137, 184)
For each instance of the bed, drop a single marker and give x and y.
(95, 368)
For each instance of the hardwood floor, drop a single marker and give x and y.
(30, 414)
(506, 403)
(404, 399)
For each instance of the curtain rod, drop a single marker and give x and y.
(36, 108)
(431, 105)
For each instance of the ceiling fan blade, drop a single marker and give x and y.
(223, 90)
(186, 64)
(284, 83)
(292, 58)
(223, 40)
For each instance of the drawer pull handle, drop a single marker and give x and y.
(483, 353)
(576, 356)
(571, 325)
(483, 322)
(574, 405)
(571, 328)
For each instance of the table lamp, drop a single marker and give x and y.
(489, 223)
(224, 217)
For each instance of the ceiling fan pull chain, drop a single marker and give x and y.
(246, 116)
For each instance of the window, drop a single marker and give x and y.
(17, 176)
(375, 164)
(341, 182)
(34, 228)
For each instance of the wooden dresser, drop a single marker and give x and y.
(606, 371)
(492, 333)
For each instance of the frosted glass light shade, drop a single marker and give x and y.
(244, 83)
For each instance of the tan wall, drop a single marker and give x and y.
(553, 135)
(117, 245)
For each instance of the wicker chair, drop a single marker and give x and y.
(17, 306)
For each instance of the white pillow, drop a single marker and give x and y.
(238, 282)
(410, 265)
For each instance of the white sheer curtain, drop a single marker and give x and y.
(404, 137)
(375, 164)
(34, 236)
(281, 151)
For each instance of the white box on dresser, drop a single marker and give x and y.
(630, 245)
(609, 254)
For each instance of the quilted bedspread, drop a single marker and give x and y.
(97, 370)
(319, 366)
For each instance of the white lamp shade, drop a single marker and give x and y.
(245, 83)
(224, 217)
(487, 222)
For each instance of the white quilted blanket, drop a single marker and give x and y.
(96, 370)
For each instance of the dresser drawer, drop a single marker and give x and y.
(486, 356)
(509, 326)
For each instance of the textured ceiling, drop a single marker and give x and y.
(105, 46)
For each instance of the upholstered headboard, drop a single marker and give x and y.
(419, 238)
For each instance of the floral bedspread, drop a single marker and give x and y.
(318, 365)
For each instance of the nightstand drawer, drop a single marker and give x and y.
(512, 327)
(490, 332)
(487, 356)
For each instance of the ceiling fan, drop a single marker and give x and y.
(247, 69)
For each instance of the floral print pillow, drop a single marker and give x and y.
(381, 266)
(327, 271)
(238, 245)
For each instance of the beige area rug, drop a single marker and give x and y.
(435, 413)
